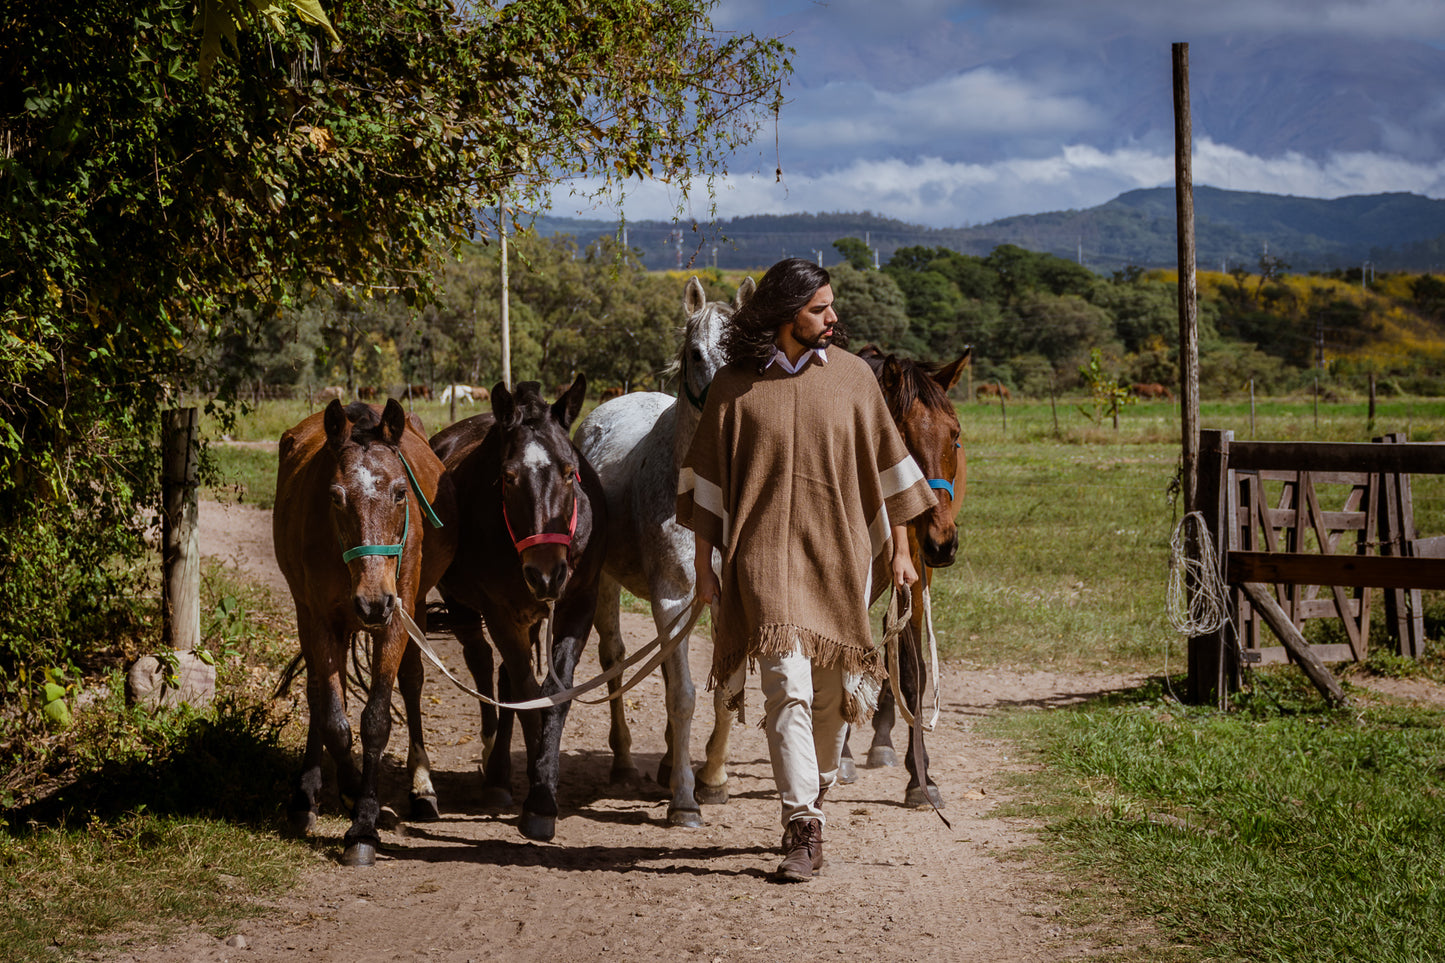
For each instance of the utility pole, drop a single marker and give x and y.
(506, 320)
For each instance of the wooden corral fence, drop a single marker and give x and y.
(1315, 527)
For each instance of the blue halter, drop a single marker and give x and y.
(362, 551)
(943, 484)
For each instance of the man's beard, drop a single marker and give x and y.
(837, 336)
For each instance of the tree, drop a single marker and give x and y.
(153, 183)
(855, 252)
(872, 308)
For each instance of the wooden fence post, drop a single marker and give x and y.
(180, 540)
(1213, 672)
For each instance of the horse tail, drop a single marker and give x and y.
(288, 675)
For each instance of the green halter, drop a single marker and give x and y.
(362, 551)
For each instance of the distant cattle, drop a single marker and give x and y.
(366, 393)
(461, 393)
(331, 393)
(1150, 391)
(992, 389)
(609, 393)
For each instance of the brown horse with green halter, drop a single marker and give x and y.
(364, 523)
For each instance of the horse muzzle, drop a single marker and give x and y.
(939, 554)
(374, 611)
(546, 570)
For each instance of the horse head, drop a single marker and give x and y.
(540, 479)
(917, 396)
(701, 354)
(370, 512)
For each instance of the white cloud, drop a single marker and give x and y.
(984, 102)
(941, 193)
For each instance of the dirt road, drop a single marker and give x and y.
(617, 884)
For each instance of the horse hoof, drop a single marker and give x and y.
(302, 822)
(495, 797)
(685, 818)
(916, 797)
(847, 772)
(359, 853)
(710, 794)
(538, 827)
(424, 809)
(880, 756)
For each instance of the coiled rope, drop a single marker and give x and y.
(1198, 602)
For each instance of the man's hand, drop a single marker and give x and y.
(904, 574)
(707, 585)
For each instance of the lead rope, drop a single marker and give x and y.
(893, 627)
(663, 645)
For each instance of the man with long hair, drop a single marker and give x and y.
(798, 477)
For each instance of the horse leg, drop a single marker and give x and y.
(542, 730)
(362, 839)
(497, 767)
(914, 680)
(847, 768)
(423, 794)
(610, 651)
(477, 651)
(681, 698)
(327, 727)
(712, 777)
(880, 752)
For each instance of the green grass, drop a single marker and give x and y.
(1279, 831)
(130, 826)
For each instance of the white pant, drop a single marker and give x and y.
(803, 718)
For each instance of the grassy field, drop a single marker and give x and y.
(1280, 830)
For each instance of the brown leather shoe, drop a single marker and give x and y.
(786, 843)
(805, 854)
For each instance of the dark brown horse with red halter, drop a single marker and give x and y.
(917, 397)
(364, 522)
(531, 543)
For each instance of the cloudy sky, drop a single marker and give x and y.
(957, 112)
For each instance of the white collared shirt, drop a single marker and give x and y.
(782, 359)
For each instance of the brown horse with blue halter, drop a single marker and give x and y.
(364, 523)
(917, 397)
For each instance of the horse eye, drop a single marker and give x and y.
(338, 496)
(509, 477)
(569, 472)
(398, 494)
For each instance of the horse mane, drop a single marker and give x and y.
(530, 403)
(915, 381)
(366, 426)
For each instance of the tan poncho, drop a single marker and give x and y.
(797, 479)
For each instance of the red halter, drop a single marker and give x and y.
(544, 538)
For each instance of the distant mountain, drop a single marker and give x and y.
(1232, 228)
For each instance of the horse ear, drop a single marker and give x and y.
(503, 406)
(393, 423)
(948, 376)
(745, 292)
(889, 376)
(693, 298)
(338, 426)
(570, 404)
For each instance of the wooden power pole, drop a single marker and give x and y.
(1188, 286)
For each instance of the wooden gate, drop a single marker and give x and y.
(1271, 506)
